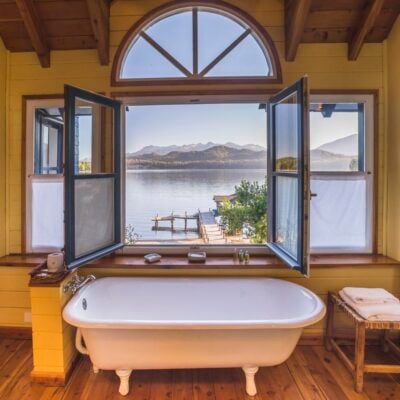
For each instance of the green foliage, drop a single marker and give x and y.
(131, 237)
(353, 164)
(249, 208)
(85, 167)
(286, 164)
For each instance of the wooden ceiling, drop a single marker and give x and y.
(45, 25)
(338, 21)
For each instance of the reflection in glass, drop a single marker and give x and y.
(93, 138)
(93, 198)
(335, 133)
(286, 224)
(49, 125)
(286, 128)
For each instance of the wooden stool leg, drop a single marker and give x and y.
(385, 336)
(359, 357)
(329, 322)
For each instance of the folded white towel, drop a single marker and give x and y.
(374, 312)
(369, 295)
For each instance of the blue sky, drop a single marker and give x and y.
(164, 125)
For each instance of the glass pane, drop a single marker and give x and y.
(93, 138)
(339, 212)
(174, 34)
(335, 132)
(286, 134)
(216, 32)
(94, 214)
(233, 63)
(286, 230)
(48, 141)
(191, 158)
(144, 61)
(47, 214)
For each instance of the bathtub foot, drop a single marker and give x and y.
(250, 373)
(95, 369)
(123, 375)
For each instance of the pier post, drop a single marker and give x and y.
(185, 221)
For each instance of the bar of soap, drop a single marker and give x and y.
(152, 258)
(197, 256)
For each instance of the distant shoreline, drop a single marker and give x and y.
(198, 168)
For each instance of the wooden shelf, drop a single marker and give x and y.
(212, 262)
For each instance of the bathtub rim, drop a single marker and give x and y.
(292, 323)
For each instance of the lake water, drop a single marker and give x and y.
(151, 192)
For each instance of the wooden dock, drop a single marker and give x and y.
(206, 225)
(172, 226)
(210, 231)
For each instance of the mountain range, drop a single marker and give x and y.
(338, 155)
(162, 150)
(346, 146)
(217, 156)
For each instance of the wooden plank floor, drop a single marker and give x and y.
(311, 373)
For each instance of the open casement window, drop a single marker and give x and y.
(92, 176)
(288, 176)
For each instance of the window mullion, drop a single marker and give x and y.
(195, 33)
(225, 52)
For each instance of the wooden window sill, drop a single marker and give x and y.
(212, 262)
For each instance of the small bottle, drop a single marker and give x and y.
(246, 257)
(235, 255)
(241, 256)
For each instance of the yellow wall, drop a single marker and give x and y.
(53, 339)
(14, 296)
(326, 65)
(393, 133)
(3, 82)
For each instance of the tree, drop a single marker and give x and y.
(249, 208)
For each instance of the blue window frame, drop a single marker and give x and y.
(92, 186)
(288, 175)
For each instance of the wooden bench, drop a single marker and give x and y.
(358, 367)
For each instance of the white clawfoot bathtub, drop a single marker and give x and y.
(168, 323)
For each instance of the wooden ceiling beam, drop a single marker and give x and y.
(365, 25)
(99, 12)
(296, 12)
(33, 26)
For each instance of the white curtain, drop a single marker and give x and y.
(339, 212)
(47, 214)
(287, 213)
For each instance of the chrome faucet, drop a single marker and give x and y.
(77, 282)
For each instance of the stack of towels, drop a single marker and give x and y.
(374, 304)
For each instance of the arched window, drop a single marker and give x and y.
(193, 43)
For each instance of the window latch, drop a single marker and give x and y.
(313, 195)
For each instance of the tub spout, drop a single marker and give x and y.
(77, 282)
